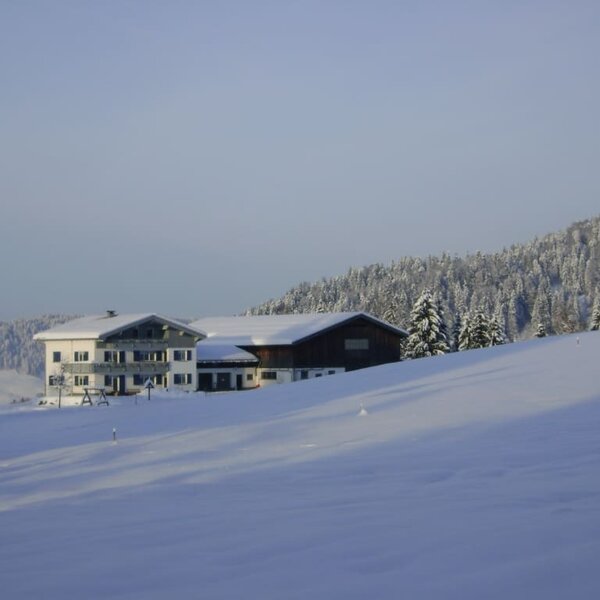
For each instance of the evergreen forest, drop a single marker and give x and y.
(548, 285)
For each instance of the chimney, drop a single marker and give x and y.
(111, 313)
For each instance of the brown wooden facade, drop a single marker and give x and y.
(354, 344)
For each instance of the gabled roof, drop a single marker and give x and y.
(213, 352)
(99, 327)
(278, 330)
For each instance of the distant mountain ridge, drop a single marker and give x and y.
(553, 280)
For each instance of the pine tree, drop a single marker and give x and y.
(390, 314)
(426, 336)
(595, 318)
(443, 325)
(495, 332)
(512, 319)
(480, 333)
(542, 308)
(456, 329)
(465, 337)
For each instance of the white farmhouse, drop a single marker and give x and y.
(119, 353)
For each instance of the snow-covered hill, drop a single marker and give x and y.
(472, 475)
(16, 387)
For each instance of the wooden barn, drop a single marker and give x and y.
(301, 346)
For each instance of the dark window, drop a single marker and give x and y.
(182, 378)
(249, 377)
(52, 380)
(182, 355)
(144, 355)
(56, 357)
(81, 380)
(304, 374)
(149, 333)
(108, 380)
(268, 375)
(138, 379)
(82, 356)
(331, 372)
(318, 374)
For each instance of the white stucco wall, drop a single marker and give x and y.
(183, 367)
(67, 349)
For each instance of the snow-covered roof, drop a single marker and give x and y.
(275, 330)
(96, 327)
(214, 352)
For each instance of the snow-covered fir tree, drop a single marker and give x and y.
(465, 336)
(426, 332)
(456, 328)
(445, 334)
(542, 308)
(495, 332)
(595, 317)
(390, 312)
(480, 331)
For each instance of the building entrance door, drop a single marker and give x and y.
(223, 381)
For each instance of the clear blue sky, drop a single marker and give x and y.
(196, 158)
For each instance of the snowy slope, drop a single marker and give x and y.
(15, 386)
(475, 475)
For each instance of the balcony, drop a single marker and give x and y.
(115, 368)
(147, 344)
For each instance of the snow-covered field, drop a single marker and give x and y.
(472, 476)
